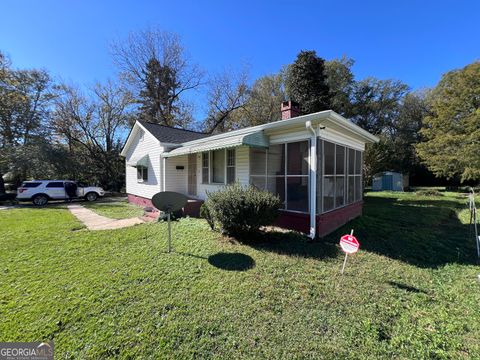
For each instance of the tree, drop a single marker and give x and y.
(341, 84)
(264, 99)
(413, 109)
(227, 94)
(306, 82)
(155, 67)
(93, 130)
(25, 98)
(452, 131)
(376, 104)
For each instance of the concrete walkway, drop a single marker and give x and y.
(93, 221)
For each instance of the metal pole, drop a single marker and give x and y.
(344, 263)
(169, 233)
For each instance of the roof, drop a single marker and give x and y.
(252, 139)
(167, 134)
(328, 117)
(191, 141)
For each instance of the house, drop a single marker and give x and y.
(390, 181)
(312, 162)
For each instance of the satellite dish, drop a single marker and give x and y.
(168, 202)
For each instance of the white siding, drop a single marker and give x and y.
(176, 179)
(140, 147)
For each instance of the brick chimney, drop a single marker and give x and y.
(290, 109)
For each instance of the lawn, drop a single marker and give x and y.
(411, 291)
(117, 209)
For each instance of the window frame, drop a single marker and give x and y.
(233, 166)
(209, 168)
(221, 170)
(143, 170)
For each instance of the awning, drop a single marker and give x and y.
(254, 139)
(139, 162)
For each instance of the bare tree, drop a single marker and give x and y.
(94, 129)
(227, 94)
(154, 65)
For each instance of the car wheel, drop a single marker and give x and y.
(91, 196)
(40, 200)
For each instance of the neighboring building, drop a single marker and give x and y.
(281, 157)
(389, 181)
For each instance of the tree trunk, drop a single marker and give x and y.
(2, 184)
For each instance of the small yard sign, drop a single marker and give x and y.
(349, 245)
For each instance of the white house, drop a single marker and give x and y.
(313, 162)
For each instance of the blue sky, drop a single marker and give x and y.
(413, 41)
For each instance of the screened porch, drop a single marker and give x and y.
(284, 170)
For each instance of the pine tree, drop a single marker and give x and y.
(156, 98)
(306, 82)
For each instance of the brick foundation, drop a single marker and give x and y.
(192, 209)
(326, 223)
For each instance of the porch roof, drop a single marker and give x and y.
(251, 139)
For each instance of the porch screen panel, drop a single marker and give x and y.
(276, 171)
(339, 176)
(334, 176)
(283, 170)
(258, 168)
(328, 176)
(297, 186)
(355, 164)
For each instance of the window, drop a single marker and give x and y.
(30, 184)
(230, 166)
(218, 166)
(205, 166)
(267, 172)
(55, 184)
(142, 174)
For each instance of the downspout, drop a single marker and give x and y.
(313, 180)
(164, 177)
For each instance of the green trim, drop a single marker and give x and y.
(257, 139)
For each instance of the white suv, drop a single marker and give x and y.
(41, 191)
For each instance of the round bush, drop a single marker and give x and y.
(240, 210)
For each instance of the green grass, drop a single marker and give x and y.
(410, 293)
(115, 210)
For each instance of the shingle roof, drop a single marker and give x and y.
(171, 135)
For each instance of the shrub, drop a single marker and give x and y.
(429, 192)
(238, 211)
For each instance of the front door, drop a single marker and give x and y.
(192, 174)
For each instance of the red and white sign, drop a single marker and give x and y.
(349, 244)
